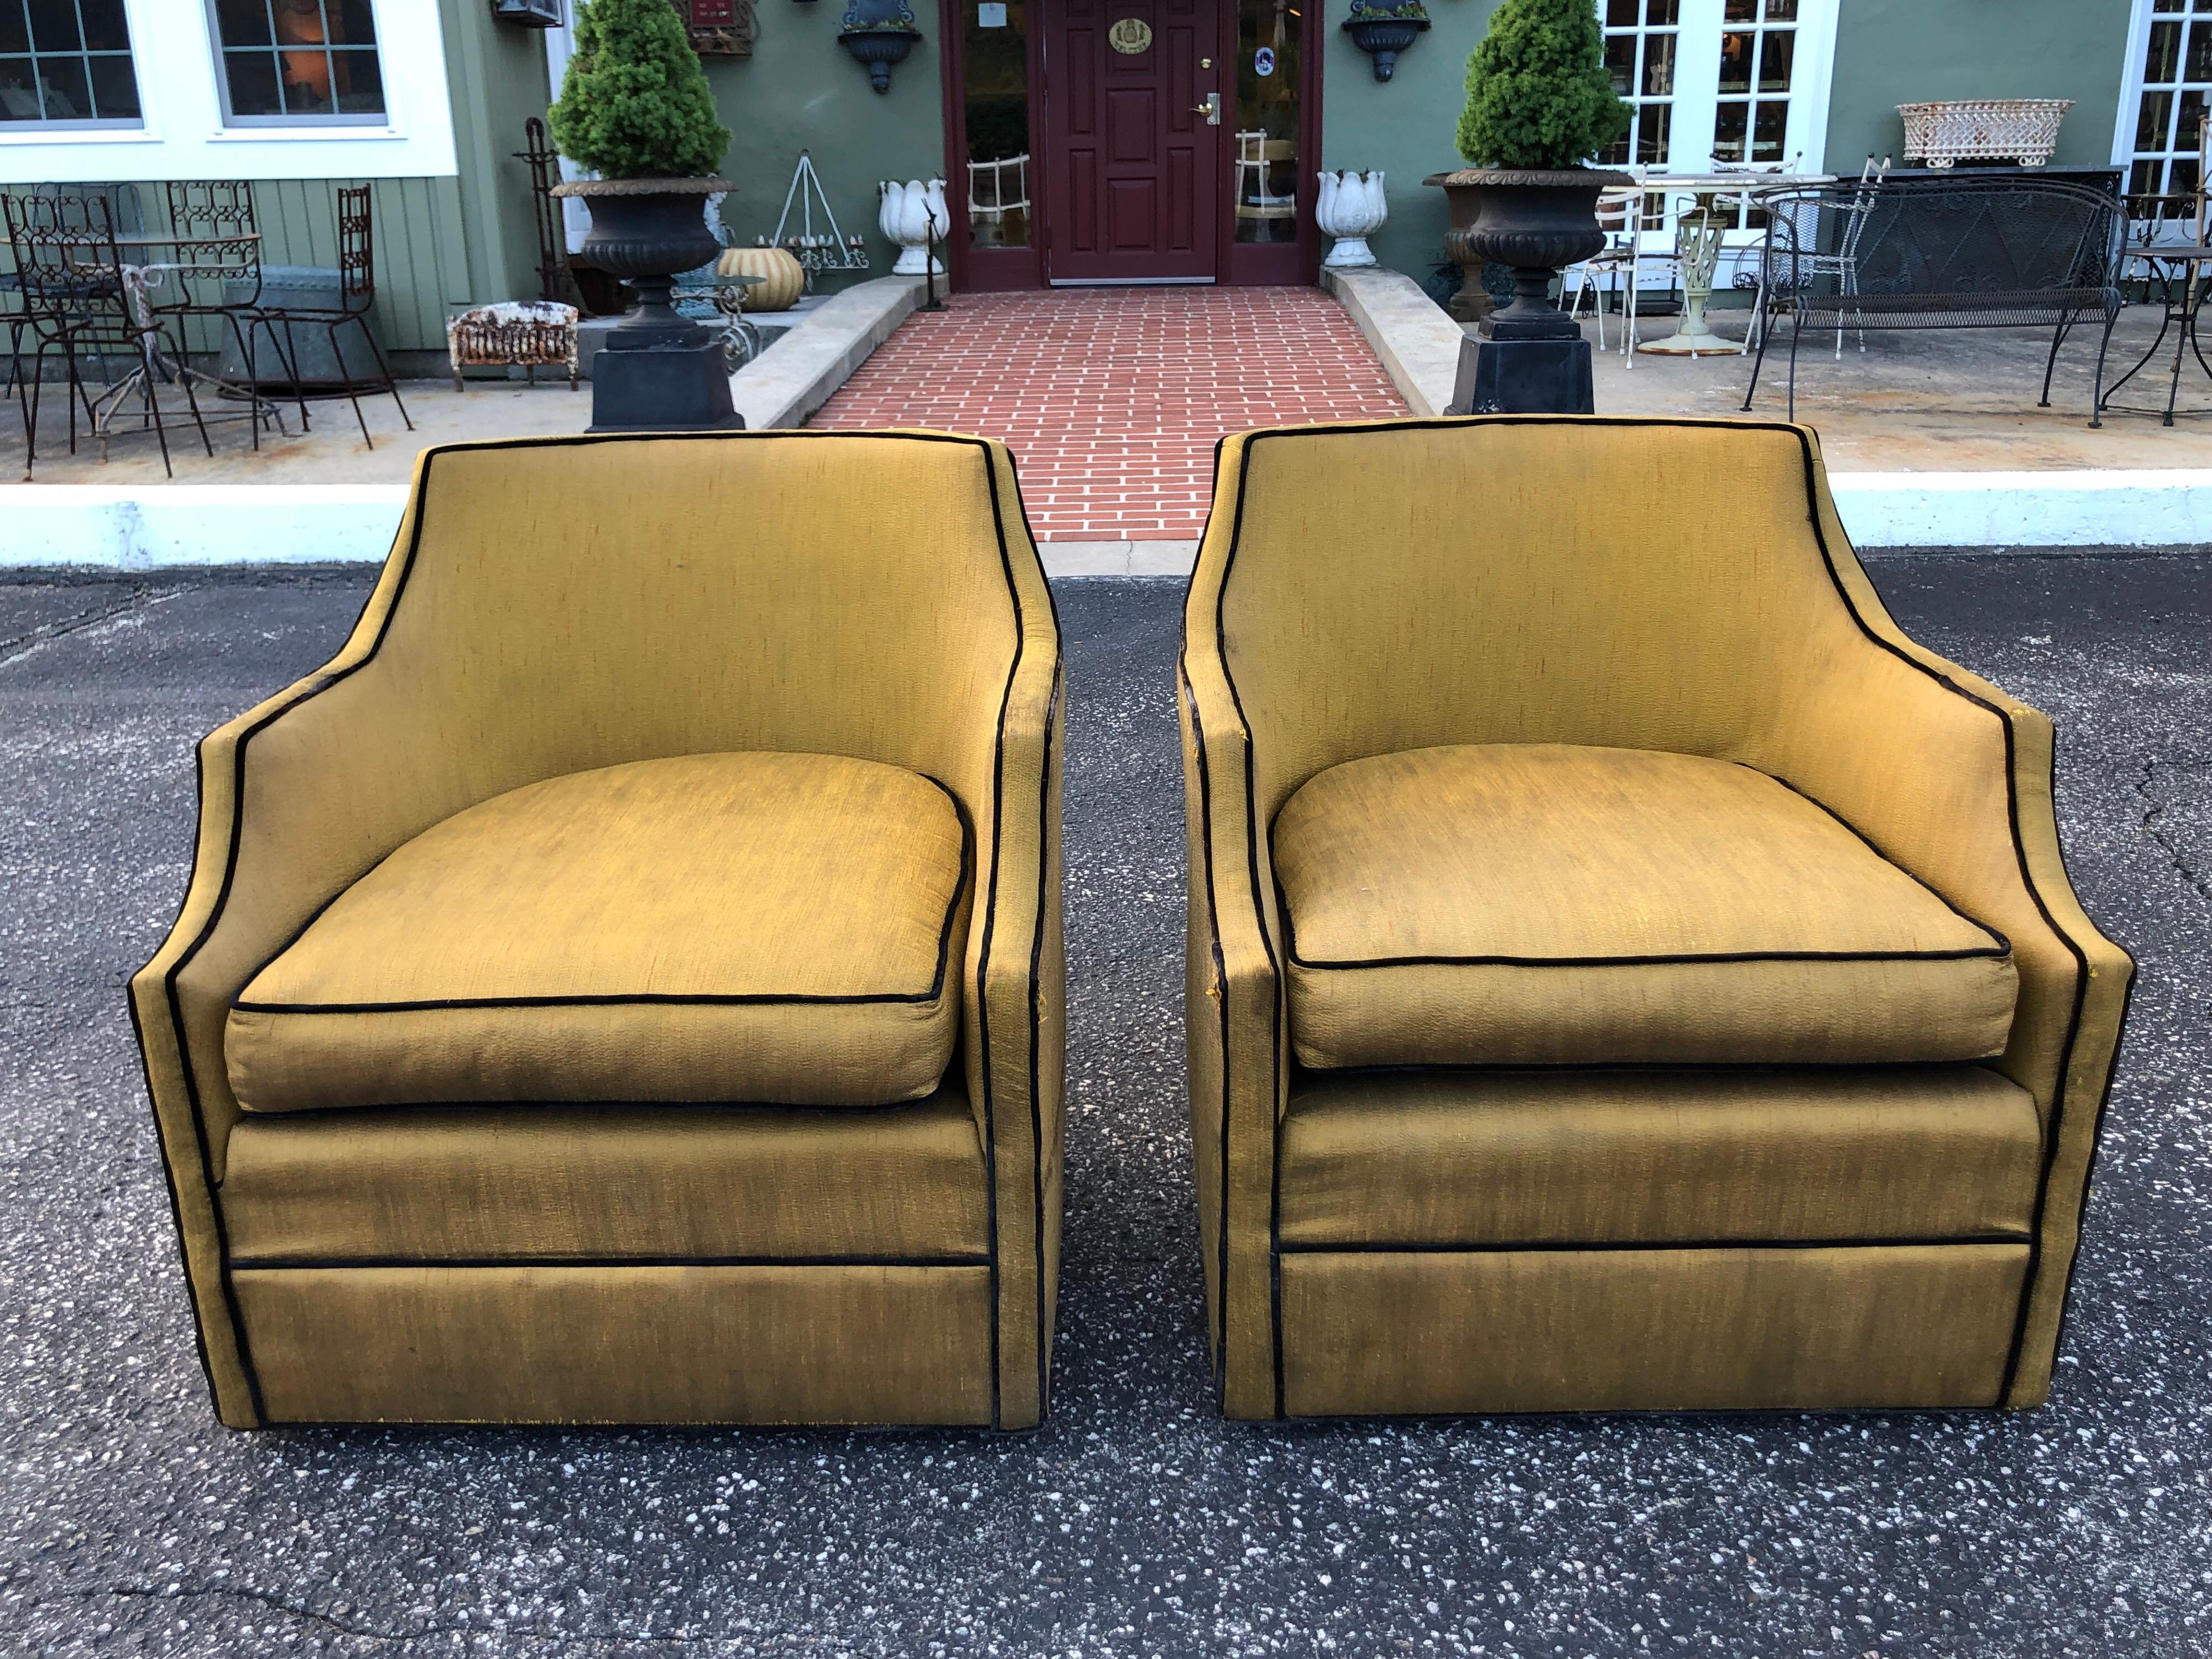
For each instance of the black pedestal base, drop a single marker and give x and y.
(661, 388)
(1508, 376)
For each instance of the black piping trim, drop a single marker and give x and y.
(1488, 1247)
(1252, 854)
(555, 1108)
(315, 684)
(1037, 993)
(1054, 712)
(1827, 559)
(990, 923)
(1872, 846)
(1497, 1067)
(651, 998)
(1716, 957)
(302, 1264)
(1221, 974)
(176, 1201)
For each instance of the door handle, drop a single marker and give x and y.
(1211, 109)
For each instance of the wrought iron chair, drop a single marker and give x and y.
(78, 301)
(356, 297)
(2014, 252)
(217, 275)
(1841, 261)
(128, 218)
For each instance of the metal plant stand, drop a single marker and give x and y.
(813, 250)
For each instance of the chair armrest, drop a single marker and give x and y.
(1950, 777)
(1234, 1031)
(1015, 1019)
(283, 828)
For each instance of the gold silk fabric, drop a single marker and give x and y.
(765, 927)
(1539, 903)
(1588, 588)
(627, 626)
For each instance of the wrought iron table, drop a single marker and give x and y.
(2188, 279)
(140, 279)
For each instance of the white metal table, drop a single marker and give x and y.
(1699, 234)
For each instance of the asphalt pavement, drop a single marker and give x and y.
(1137, 1521)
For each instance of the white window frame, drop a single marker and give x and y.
(1696, 98)
(2131, 82)
(235, 121)
(183, 134)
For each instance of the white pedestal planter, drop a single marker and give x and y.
(1350, 208)
(909, 211)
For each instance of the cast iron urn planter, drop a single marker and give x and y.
(1383, 33)
(880, 33)
(1531, 358)
(658, 371)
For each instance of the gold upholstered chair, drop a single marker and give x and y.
(1624, 971)
(625, 984)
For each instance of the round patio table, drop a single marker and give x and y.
(1699, 235)
(2189, 277)
(140, 279)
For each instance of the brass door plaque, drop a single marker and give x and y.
(1130, 36)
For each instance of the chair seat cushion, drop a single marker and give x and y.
(761, 927)
(1547, 904)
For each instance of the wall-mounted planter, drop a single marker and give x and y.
(1383, 34)
(878, 34)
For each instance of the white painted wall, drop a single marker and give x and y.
(184, 136)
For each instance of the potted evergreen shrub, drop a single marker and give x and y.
(1540, 106)
(635, 108)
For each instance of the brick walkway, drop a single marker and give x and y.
(1112, 398)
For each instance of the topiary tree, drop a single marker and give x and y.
(1537, 91)
(635, 103)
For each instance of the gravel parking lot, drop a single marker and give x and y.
(1137, 1521)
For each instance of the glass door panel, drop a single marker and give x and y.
(1269, 67)
(994, 94)
(2171, 92)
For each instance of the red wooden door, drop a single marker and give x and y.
(1133, 163)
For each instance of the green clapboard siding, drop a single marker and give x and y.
(1406, 125)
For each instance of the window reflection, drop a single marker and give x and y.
(295, 59)
(1268, 37)
(995, 100)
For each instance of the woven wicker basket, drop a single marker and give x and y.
(2023, 129)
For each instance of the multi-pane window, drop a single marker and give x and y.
(66, 63)
(2177, 87)
(292, 60)
(1759, 49)
(1640, 36)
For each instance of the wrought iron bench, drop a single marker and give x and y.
(2014, 252)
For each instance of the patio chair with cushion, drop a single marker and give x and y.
(1625, 971)
(625, 984)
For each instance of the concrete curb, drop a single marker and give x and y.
(782, 387)
(101, 526)
(1418, 342)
